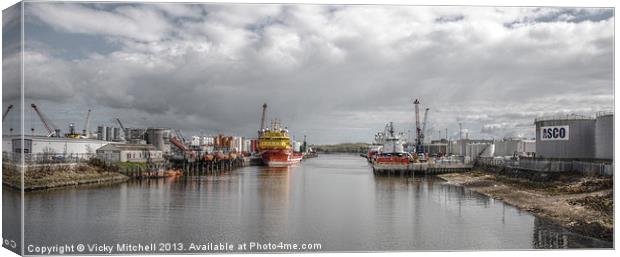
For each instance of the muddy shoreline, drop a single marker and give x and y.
(106, 180)
(582, 205)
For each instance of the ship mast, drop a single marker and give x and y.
(262, 120)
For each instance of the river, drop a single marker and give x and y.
(333, 200)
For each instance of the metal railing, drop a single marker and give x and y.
(604, 113)
(453, 160)
(571, 116)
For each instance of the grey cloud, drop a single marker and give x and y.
(577, 15)
(444, 19)
(142, 23)
(328, 71)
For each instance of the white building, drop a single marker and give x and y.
(195, 141)
(237, 144)
(129, 153)
(247, 145)
(84, 148)
(296, 146)
(511, 147)
(208, 140)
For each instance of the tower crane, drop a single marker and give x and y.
(118, 120)
(120, 123)
(51, 128)
(418, 130)
(423, 134)
(7, 111)
(419, 146)
(86, 131)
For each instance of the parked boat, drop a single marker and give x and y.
(392, 155)
(275, 147)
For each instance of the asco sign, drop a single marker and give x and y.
(554, 133)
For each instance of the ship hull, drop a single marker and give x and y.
(390, 162)
(278, 158)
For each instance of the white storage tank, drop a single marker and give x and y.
(489, 151)
(529, 146)
(604, 136)
(565, 137)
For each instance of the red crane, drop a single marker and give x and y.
(176, 142)
(51, 128)
(179, 144)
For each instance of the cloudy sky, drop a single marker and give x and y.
(335, 73)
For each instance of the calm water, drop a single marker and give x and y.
(334, 200)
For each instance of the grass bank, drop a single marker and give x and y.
(342, 148)
(50, 176)
(581, 204)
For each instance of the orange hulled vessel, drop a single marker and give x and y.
(391, 156)
(274, 145)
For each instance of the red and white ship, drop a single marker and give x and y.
(274, 145)
(392, 156)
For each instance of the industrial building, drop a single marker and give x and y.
(482, 147)
(575, 137)
(106, 133)
(135, 135)
(514, 147)
(480, 150)
(53, 145)
(461, 147)
(130, 153)
(604, 136)
(247, 145)
(237, 144)
(207, 140)
(228, 143)
(159, 138)
(436, 148)
(194, 141)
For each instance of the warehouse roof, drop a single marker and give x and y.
(53, 139)
(127, 147)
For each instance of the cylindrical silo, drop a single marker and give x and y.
(604, 136)
(100, 133)
(116, 134)
(565, 137)
(160, 138)
(108, 133)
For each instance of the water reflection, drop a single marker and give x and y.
(333, 200)
(11, 218)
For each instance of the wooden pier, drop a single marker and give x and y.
(213, 167)
(186, 168)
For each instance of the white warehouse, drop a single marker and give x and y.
(53, 145)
